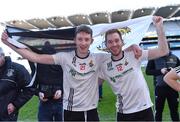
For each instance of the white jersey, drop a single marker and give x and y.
(128, 83)
(80, 80)
(177, 69)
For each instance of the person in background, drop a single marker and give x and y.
(123, 72)
(158, 68)
(50, 87)
(172, 78)
(14, 90)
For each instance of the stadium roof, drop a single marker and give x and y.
(168, 12)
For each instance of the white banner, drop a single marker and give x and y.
(132, 30)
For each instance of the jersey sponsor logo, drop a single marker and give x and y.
(75, 73)
(10, 72)
(113, 79)
(127, 71)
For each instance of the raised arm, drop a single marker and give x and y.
(171, 78)
(162, 41)
(28, 54)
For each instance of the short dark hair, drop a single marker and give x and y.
(83, 28)
(111, 32)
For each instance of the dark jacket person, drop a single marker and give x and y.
(13, 91)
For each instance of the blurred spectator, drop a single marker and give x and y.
(158, 68)
(13, 91)
(50, 87)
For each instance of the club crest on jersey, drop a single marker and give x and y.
(109, 66)
(171, 59)
(10, 72)
(126, 63)
(91, 64)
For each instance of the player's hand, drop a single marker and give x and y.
(136, 49)
(164, 71)
(158, 20)
(4, 37)
(58, 94)
(10, 108)
(42, 98)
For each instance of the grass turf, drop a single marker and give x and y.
(106, 106)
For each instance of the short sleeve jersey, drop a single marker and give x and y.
(80, 79)
(127, 82)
